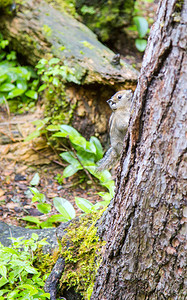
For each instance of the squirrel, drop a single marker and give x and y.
(120, 103)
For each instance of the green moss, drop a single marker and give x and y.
(103, 17)
(45, 262)
(87, 44)
(47, 30)
(57, 105)
(81, 249)
(64, 5)
(5, 3)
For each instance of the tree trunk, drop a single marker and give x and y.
(145, 223)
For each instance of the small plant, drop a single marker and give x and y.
(142, 28)
(140, 24)
(64, 207)
(54, 74)
(16, 82)
(19, 279)
(83, 155)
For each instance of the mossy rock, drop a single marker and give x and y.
(81, 248)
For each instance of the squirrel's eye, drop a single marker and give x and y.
(119, 96)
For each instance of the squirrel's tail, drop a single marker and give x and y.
(108, 161)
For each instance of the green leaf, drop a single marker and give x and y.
(88, 10)
(56, 81)
(33, 135)
(35, 191)
(64, 207)
(3, 271)
(12, 76)
(142, 26)
(21, 84)
(69, 157)
(23, 72)
(103, 176)
(32, 94)
(71, 170)
(42, 87)
(34, 236)
(35, 180)
(44, 207)
(3, 77)
(54, 61)
(78, 140)
(105, 196)
(30, 288)
(98, 146)
(4, 43)
(39, 197)
(6, 87)
(84, 204)
(101, 204)
(86, 158)
(110, 185)
(56, 218)
(31, 219)
(15, 93)
(10, 250)
(3, 281)
(31, 270)
(69, 130)
(141, 44)
(2, 292)
(41, 63)
(53, 127)
(46, 224)
(59, 134)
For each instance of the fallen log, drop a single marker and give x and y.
(37, 29)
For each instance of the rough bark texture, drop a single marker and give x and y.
(145, 224)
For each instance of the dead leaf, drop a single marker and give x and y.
(51, 195)
(4, 149)
(2, 192)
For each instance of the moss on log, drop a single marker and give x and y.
(37, 29)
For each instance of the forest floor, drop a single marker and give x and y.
(20, 160)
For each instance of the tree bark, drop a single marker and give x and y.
(145, 223)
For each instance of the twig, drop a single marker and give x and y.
(52, 160)
(53, 148)
(86, 171)
(10, 137)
